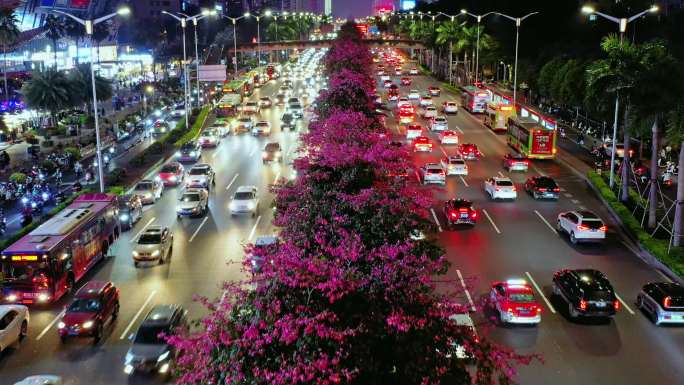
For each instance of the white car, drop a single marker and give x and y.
(450, 107)
(200, 176)
(455, 165)
(413, 131)
(413, 71)
(251, 108)
(384, 77)
(432, 173)
(500, 188)
(209, 138)
(193, 202)
(265, 101)
(413, 95)
(14, 321)
(262, 127)
(245, 201)
(155, 244)
(403, 101)
(243, 124)
(439, 123)
(149, 190)
(425, 100)
(448, 137)
(428, 112)
(581, 226)
(41, 379)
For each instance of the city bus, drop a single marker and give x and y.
(46, 263)
(530, 138)
(240, 86)
(228, 105)
(474, 99)
(496, 116)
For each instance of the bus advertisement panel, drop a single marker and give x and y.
(531, 139)
(228, 105)
(496, 116)
(46, 263)
(474, 99)
(240, 86)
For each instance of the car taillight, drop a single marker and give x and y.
(539, 310)
(473, 215)
(557, 189)
(541, 189)
(583, 305)
(666, 302)
(582, 227)
(603, 228)
(453, 214)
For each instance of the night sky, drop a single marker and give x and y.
(351, 8)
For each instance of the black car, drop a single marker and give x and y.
(542, 187)
(587, 292)
(272, 153)
(663, 301)
(130, 210)
(288, 121)
(189, 152)
(460, 212)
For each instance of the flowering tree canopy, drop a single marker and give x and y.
(347, 295)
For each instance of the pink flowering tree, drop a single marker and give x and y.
(347, 295)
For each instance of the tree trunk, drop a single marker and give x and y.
(4, 72)
(54, 50)
(626, 168)
(679, 215)
(653, 193)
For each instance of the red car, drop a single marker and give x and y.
(171, 174)
(387, 83)
(405, 81)
(94, 306)
(434, 91)
(422, 143)
(406, 115)
(514, 300)
(460, 211)
(469, 151)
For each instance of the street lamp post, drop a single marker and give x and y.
(517, 21)
(89, 24)
(234, 20)
(186, 105)
(268, 13)
(477, 45)
(195, 19)
(622, 27)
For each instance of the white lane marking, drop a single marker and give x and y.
(582, 208)
(436, 220)
(135, 317)
(563, 190)
(51, 324)
(143, 229)
(418, 177)
(567, 195)
(276, 177)
(624, 304)
(252, 152)
(14, 220)
(459, 130)
(574, 201)
(545, 222)
(231, 181)
(665, 277)
(548, 303)
(538, 171)
(464, 181)
(491, 221)
(501, 174)
(482, 153)
(198, 229)
(470, 299)
(251, 233)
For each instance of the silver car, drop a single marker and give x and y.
(155, 244)
(149, 351)
(433, 173)
(245, 201)
(193, 202)
(149, 190)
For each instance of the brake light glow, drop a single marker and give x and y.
(582, 227)
(557, 189)
(539, 309)
(666, 302)
(453, 214)
(603, 228)
(473, 215)
(616, 304)
(583, 305)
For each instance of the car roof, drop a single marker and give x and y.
(502, 179)
(246, 189)
(670, 288)
(145, 181)
(455, 157)
(4, 309)
(459, 202)
(160, 315)
(201, 165)
(194, 191)
(585, 214)
(589, 277)
(432, 165)
(92, 289)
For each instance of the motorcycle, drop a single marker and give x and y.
(672, 168)
(666, 179)
(26, 217)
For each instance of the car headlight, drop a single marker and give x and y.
(178, 153)
(163, 356)
(124, 217)
(250, 205)
(193, 153)
(232, 205)
(173, 178)
(135, 253)
(88, 324)
(156, 253)
(264, 154)
(43, 297)
(277, 154)
(24, 200)
(128, 359)
(61, 325)
(45, 196)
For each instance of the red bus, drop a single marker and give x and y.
(474, 99)
(531, 139)
(45, 264)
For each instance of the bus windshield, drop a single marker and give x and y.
(23, 271)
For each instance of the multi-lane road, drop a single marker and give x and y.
(511, 239)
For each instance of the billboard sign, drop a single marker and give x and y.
(212, 73)
(407, 5)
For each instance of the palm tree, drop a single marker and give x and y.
(54, 30)
(50, 91)
(675, 134)
(100, 33)
(449, 32)
(74, 30)
(80, 78)
(9, 32)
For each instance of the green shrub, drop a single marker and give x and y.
(138, 160)
(451, 88)
(155, 148)
(196, 128)
(48, 165)
(74, 151)
(117, 190)
(18, 177)
(115, 176)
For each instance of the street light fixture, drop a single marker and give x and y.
(267, 13)
(477, 46)
(622, 27)
(517, 21)
(195, 19)
(186, 102)
(234, 20)
(88, 24)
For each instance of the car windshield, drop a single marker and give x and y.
(592, 223)
(434, 170)
(209, 133)
(85, 305)
(505, 183)
(245, 120)
(521, 297)
(190, 198)
(144, 186)
(150, 239)
(265, 99)
(168, 168)
(457, 161)
(188, 147)
(241, 196)
(198, 171)
(262, 124)
(272, 147)
(151, 335)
